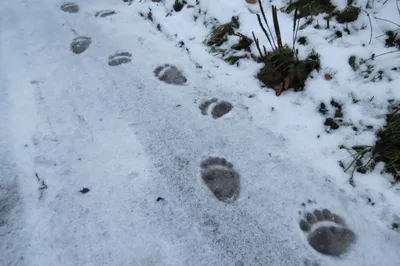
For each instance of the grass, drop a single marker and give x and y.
(282, 68)
(220, 34)
(387, 147)
(386, 150)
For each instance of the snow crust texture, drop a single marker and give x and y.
(123, 141)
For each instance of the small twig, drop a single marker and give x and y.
(354, 160)
(375, 56)
(386, 53)
(351, 178)
(37, 177)
(387, 21)
(370, 25)
(385, 33)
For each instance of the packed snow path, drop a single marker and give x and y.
(101, 104)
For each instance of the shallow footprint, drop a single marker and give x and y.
(80, 44)
(105, 13)
(327, 232)
(218, 108)
(70, 7)
(170, 74)
(221, 179)
(120, 57)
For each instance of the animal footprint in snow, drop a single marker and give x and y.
(105, 13)
(170, 74)
(120, 57)
(218, 108)
(80, 44)
(221, 179)
(70, 7)
(327, 232)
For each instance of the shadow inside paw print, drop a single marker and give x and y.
(80, 44)
(170, 74)
(327, 232)
(218, 108)
(120, 57)
(221, 179)
(70, 8)
(9, 199)
(105, 13)
(128, 1)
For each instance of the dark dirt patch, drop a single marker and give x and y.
(70, 8)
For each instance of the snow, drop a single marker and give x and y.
(77, 122)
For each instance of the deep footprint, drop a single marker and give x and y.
(70, 7)
(218, 108)
(224, 182)
(105, 13)
(170, 74)
(120, 57)
(80, 44)
(334, 239)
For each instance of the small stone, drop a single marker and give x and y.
(84, 190)
(160, 199)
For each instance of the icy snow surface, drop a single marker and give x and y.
(100, 118)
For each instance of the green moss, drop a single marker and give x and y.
(150, 15)
(349, 14)
(243, 44)
(338, 34)
(338, 113)
(335, 104)
(302, 40)
(391, 39)
(338, 106)
(282, 65)
(277, 65)
(233, 59)
(352, 62)
(322, 109)
(331, 123)
(310, 8)
(178, 5)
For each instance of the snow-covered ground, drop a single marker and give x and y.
(102, 120)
